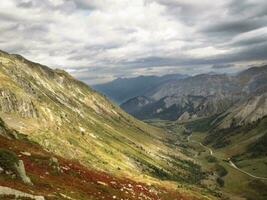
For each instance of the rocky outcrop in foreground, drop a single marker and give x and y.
(6, 191)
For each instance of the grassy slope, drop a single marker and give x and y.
(75, 117)
(76, 122)
(69, 179)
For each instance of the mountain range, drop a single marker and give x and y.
(122, 89)
(199, 96)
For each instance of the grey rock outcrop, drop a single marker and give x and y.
(9, 102)
(18, 194)
(22, 173)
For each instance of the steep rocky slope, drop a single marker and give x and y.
(70, 120)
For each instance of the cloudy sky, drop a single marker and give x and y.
(99, 40)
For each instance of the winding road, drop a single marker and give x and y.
(244, 172)
(210, 150)
(230, 163)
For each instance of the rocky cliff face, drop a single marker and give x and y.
(252, 108)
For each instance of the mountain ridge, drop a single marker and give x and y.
(200, 96)
(122, 89)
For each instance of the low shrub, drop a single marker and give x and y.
(221, 171)
(211, 159)
(220, 181)
(8, 159)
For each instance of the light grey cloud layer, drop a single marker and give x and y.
(99, 40)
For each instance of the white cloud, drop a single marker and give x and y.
(104, 36)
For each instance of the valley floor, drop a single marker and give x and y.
(237, 180)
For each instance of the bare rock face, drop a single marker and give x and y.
(184, 117)
(10, 103)
(22, 173)
(247, 112)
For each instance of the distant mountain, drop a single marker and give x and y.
(247, 115)
(135, 104)
(123, 89)
(198, 96)
(191, 98)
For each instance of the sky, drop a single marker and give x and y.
(100, 40)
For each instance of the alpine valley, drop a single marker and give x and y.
(223, 118)
(62, 140)
(133, 100)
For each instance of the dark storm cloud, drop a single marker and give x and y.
(232, 27)
(256, 8)
(239, 17)
(250, 53)
(247, 43)
(254, 53)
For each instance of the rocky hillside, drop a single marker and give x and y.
(72, 121)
